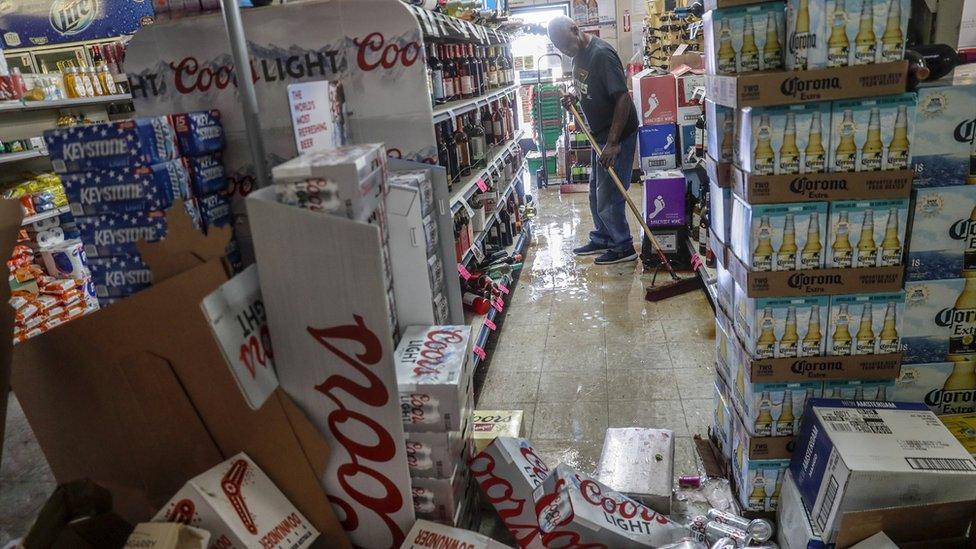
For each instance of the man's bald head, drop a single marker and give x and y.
(565, 35)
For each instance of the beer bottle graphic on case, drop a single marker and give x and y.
(891, 245)
(774, 498)
(969, 251)
(801, 40)
(963, 376)
(867, 248)
(873, 149)
(757, 497)
(772, 51)
(763, 158)
(810, 346)
(764, 420)
(859, 393)
(784, 424)
(728, 128)
(864, 340)
(845, 155)
(892, 39)
(748, 53)
(882, 394)
(840, 343)
(897, 158)
(810, 256)
(762, 256)
(766, 342)
(842, 253)
(814, 156)
(838, 44)
(788, 343)
(786, 256)
(726, 53)
(865, 43)
(962, 325)
(888, 340)
(789, 155)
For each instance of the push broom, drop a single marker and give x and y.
(678, 285)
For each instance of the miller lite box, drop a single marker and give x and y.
(573, 505)
(944, 124)
(869, 135)
(487, 425)
(431, 535)
(359, 171)
(946, 387)
(440, 499)
(658, 145)
(788, 139)
(434, 377)
(865, 324)
(198, 132)
(867, 233)
(779, 237)
(508, 471)
(943, 235)
(781, 327)
(720, 129)
(240, 507)
(758, 479)
(434, 454)
(744, 38)
(646, 481)
(840, 33)
(137, 142)
(855, 456)
(118, 190)
(940, 320)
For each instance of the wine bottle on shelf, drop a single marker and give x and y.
(464, 73)
(463, 149)
(475, 303)
(493, 68)
(436, 75)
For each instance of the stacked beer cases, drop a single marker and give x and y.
(435, 380)
(668, 106)
(813, 166)
(940, 306)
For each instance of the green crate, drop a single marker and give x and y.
(536, 162)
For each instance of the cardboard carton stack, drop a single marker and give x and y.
(815, 162)
(668, 107)
(436, 385)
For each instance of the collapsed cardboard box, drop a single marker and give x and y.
(139, 398)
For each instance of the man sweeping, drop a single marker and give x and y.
(601, 86)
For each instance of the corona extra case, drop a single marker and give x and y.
(744, 39)
(779, 237)
(722, 419)
(872, 134)
(758, 481)
(781, 327)
(839, 33)
(720, 127)
(946, 387)
(866, 233)
(861, 389)
(944, 128)
(865, 324)
(771, 409)
(943, 239)
(789, 139)
(939, 321)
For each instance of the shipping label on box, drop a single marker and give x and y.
(433, 377)
(664, 199)
(853, 456)
(942, 244)
(788, 139)
(781, 327)
(508, 472)
(240, 507)
(779, 237)
(877, 318)
(840, 33)
(939, 321)
(944, 129)
(758, 481)
(720, 128)
(137, 142)
(656, 97)
(873, 134)
(867, 233)
(658, 146)
(744, 39)
(946, 387)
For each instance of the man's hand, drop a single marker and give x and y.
(568, 100)
(609, 154)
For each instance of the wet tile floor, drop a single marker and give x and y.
(579, 351)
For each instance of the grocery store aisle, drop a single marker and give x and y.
(580, 350)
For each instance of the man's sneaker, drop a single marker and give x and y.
(614, 256)
(591, 249)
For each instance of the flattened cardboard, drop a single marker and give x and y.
(816, 281)
(942, 521)
(817, 187)
(763, 89)
(719, 172)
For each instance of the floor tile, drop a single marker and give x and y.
(642, 385)
(511, 359)
(698, 414)
(581, 455)
(513, 386)
(695, 382)
(522, 337)
(686, 460)
(657, 414)
(559, 386)
(578, 421)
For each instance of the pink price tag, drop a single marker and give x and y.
(480, 352)
(491, 325)
(498, 305)
(464, 271)
(482, 185)
(503, 288)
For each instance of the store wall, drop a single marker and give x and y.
(618, 38)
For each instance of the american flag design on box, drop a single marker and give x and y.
(137, 142)
(199, 132)
(119, 190)
(119, 276)
(124, 228)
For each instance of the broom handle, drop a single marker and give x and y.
(620, 187)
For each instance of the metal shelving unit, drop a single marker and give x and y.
(451, 109)
(24, 106)
(19, 156)
(465, 189)
(493, 216)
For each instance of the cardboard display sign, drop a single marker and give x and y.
(790, 87)
(816, 281)
(775, 189)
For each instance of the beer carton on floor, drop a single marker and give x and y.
(646, 481)
(744, 39)
(839, 33)
(854, 456)
(788, 139)
(946, 387)
(943, 237)
(240, 507)
(487, 425)
(779, 237)
(867, 233)
(427, 535)
(939, 321)
(720, 129)
(944, 128)
(865, 324)
(781, 327)
(869, 135)
(508, 471)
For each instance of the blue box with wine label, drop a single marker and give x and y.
(658, 147)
